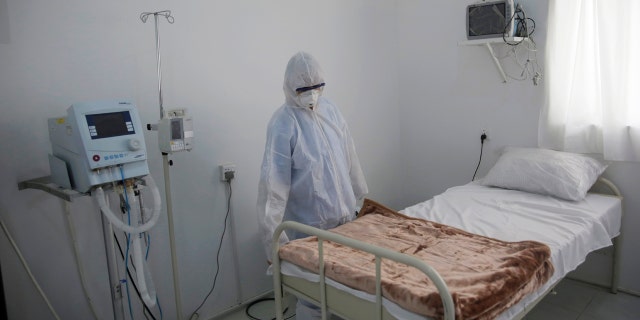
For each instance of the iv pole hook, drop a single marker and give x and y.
(144, 16)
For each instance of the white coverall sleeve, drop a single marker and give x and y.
(274, 185)
(358, 182)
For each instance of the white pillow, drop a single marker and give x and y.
(560, 174)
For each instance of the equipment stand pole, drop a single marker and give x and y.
(172, 243)
(165, 162)
(114, 282)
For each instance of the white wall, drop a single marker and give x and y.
(450, 93)
(224, 61)
(415, 100)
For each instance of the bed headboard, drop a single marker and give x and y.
(605, 186)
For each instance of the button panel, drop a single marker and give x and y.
(177, 145)
(115, 156)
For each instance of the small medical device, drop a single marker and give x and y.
(94, 138)
(490, 19)
(175, 132)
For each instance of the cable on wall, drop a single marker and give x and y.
(524, 29)
(521, 25)
(483, 137)
(195, 314)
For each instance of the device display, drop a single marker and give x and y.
(176, 129)
(490, 19)
(107, 125)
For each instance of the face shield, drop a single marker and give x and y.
(308, 96)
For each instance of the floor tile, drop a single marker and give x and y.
(619, 306)
(262, 309)
(571, 295)
(547, 311)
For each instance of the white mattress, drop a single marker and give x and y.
(570, 229)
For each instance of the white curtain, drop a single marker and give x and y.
(593, 78)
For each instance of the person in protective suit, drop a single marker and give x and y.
(310, 171)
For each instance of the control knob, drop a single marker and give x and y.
(134, 145)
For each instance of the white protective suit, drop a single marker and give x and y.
(310, 171)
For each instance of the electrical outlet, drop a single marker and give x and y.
(484, 135)
(226, 169)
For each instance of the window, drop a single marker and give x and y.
(592, 100)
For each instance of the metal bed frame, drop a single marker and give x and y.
(349, 306)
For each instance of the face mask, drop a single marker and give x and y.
(309, 99)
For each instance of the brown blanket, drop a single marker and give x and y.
(485, 276)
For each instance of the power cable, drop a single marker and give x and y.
(524, 31)
(520, 25)
(135, 287)
(246, 310)
(215, 277)
(483, 137)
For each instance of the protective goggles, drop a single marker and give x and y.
(303, 89)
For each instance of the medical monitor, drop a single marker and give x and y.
(175, 132)
(99, 142)
(490, 19)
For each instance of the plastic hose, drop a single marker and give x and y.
(143, 276)
(118, 223)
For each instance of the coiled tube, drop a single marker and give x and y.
(118, 223)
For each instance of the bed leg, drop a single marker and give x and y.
(278, 304)
(615, 274)
(277, 290)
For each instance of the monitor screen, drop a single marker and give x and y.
(176, 129)
(106, 125)
(485, 20)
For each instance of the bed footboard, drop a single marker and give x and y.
(379, 253)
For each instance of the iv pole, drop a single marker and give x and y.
(165, 163)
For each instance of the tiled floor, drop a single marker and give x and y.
(576, 300)
(573, 301)
(263, 310)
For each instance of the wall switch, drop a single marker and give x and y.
(227, 171)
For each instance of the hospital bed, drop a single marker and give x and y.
(571, 229)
